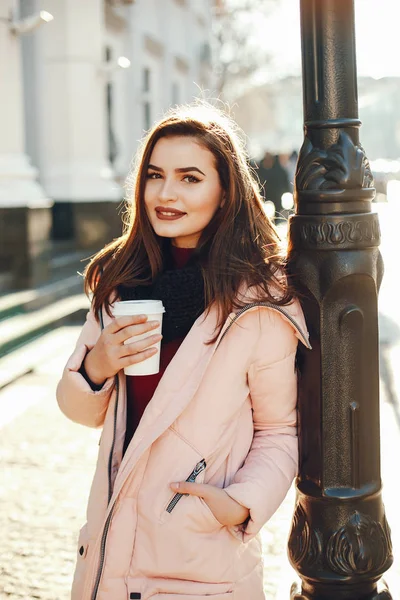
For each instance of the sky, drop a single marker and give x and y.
(377, 38)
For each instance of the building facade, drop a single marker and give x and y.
(82, 91)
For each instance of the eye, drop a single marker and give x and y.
(153, 175)
(191, 179)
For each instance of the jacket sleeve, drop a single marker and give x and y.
(75, 397)
(271, 464)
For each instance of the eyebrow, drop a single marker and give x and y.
(181, 170)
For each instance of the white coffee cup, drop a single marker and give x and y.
(154, 309)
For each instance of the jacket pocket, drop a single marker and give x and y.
(199, 468)
(192, 510)
(83, 543)
(81, 564)
(192, 514)
(210, 513)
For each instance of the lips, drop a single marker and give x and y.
(169, 214)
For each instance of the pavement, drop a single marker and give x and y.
(48, 462)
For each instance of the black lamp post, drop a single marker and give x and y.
(340, 541)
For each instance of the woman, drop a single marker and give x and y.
(222, 410)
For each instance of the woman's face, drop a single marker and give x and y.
(183, 190)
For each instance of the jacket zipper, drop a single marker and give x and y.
(108, 521)
(192, 478)
(110, 459)
(267, 305)
(102, 554)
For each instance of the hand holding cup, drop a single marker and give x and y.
(111, 353)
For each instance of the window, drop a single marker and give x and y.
(147, 115)
(107, 53)
(146, 80)
(111, 139)
(175, 93)
(146, 89)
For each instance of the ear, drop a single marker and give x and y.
(223, 199)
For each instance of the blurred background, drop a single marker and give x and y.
(81, 83)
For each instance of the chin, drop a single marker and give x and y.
(167, 229)
(166, 236)
(162, 229)
(163, 233)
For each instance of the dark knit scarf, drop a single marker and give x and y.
(181, 292)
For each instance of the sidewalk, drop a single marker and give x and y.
(47, 465)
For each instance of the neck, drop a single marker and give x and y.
(189, 242)
(186, 247)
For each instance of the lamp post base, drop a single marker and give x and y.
(316, 592)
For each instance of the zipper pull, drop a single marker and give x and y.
(196, 471)
(191, 479)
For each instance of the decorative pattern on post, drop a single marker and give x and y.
(340, 541)
(361, 546)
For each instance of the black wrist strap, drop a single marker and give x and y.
(95, 386)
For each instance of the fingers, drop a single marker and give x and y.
(202, 490)
(133, 330)
(140, 345)
(138, 357)
(226, 510)
(121, 322)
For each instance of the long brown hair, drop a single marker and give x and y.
(239, 246)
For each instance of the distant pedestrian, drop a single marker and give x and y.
(195, 459)
(263, 169)
(274, 181)
(290, 167)
(277, 184)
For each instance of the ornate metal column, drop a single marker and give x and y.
(340, 541)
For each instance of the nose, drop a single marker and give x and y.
(167, 191)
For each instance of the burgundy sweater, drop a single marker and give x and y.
(140, 388)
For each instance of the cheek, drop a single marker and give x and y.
(211, 210)
(213, 204)
(148, 199)
(208, 201)
(204, 215)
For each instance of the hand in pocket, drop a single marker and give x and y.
(226, 510)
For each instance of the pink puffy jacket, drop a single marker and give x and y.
(233, 404)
